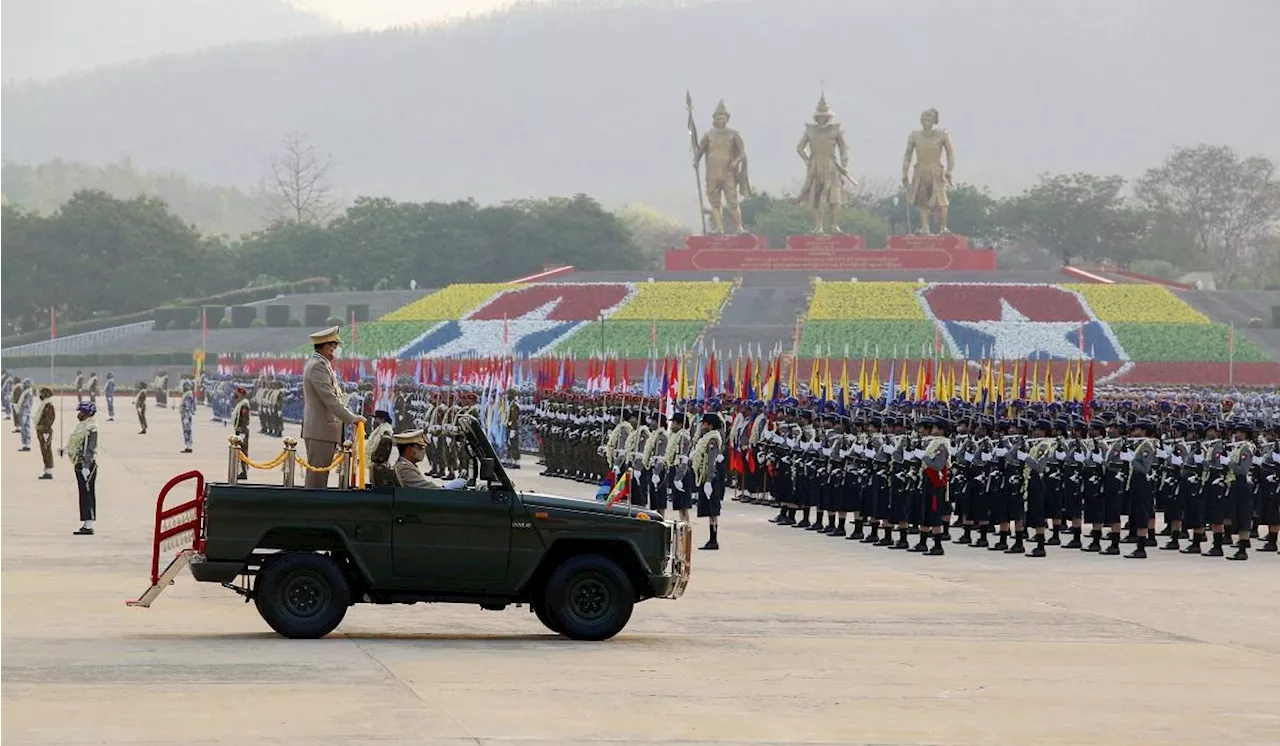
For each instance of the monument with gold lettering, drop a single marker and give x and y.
(726, 156)
(826, 157)
(929, 181)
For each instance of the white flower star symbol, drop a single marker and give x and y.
(1015, 338)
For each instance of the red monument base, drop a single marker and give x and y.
(748, 253)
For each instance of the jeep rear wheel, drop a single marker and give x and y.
(302, 595)
(589, 597)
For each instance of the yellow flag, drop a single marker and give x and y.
(844, 382)
(814, 381)
(904, 383)
(827, 390)
(873, 385)
(1034, 393)
(1048, 382)
(964, 383)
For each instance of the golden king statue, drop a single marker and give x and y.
(726, 156)
(927, 187)
(826, 158)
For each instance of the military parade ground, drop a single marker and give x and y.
(781, 638)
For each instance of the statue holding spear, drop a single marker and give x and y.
(726, 156)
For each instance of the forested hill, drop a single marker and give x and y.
(574, 98)
(47, 38)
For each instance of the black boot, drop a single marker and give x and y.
(1038, 551)
(873, 536)
(1150, 540)
(857, 534)
(965, 538)
(804, 522)
(782, 514)
(981, 543)
(922, 545)
(1216, 551)
(713, 542)
(1193, 546)
(1172, 544)
(837, 530)
(1113, 548)
(902, 541)
(1054, 540)
(936, 550)
(1075, 540)
(1242, 551)
(1095, 541)
(817, 524)
(1016, 547)
(1139, 552)
(1131, 537)
(1166, 531)
(1002, 545)
(1270, 545)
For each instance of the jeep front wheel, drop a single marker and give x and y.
(589, 597)
(545, 616)
(302, 595)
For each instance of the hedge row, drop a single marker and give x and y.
(107, 360)
(234, 297)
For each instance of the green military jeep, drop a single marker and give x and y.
(304, 555)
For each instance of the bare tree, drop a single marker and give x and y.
(299, 180)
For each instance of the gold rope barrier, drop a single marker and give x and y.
(359, 476)
(337, 461)
(273, 463)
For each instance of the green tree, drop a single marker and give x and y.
(653, 233)
(1225, 205)
(776, 218)
(1074, 216)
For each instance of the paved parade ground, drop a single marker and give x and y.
(783, 637)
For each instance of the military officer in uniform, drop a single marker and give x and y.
(188, 413)
(240, 424)
(709, 474)
(140, 405)
(44, 430)
(323, 412)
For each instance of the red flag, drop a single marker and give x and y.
(53, 324)
(1080, 338)
(355, 333)
(1088, 395)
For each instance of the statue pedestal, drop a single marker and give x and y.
(946, 242)
(729, 242)
(832, 242)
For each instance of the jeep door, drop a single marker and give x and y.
(456, 540)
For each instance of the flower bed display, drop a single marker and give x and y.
(907, 337)
(865, 300)
(1138, 303)
(1184, 342)
(565, 301)
(1006, 302)
(452, 302)
(675, 301)
(630, 338)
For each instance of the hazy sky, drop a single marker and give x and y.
(378, 14)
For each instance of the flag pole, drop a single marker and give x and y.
(1231, 355)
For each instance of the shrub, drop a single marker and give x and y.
(333, 321)
(257, 324)
(224, 324)
(295, 322)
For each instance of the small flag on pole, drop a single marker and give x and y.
(621, 489)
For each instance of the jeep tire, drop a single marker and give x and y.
(302, 595)
(589, 597)
(545, 616)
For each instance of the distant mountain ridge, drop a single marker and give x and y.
(44, 39)
(557, 100)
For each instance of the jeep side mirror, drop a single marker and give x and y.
(487, 470)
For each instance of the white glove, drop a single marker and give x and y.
(657, 480)
(720, 459)
(1199, 458)
(1224, 459)
(1126, 456)
(1097, 458)
(1079, 458)
(987, 456)
(826, 452)
(85, 473)
(1001, 452)
(1176, 460)
(455, 484)
(968, 457)
(706, 489)
(1276, 457)
(1060, 455)
(918, 453)
(887, 448)
(635, 473)
(1022, 455)
(684, 459)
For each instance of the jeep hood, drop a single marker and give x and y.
(583, 505)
